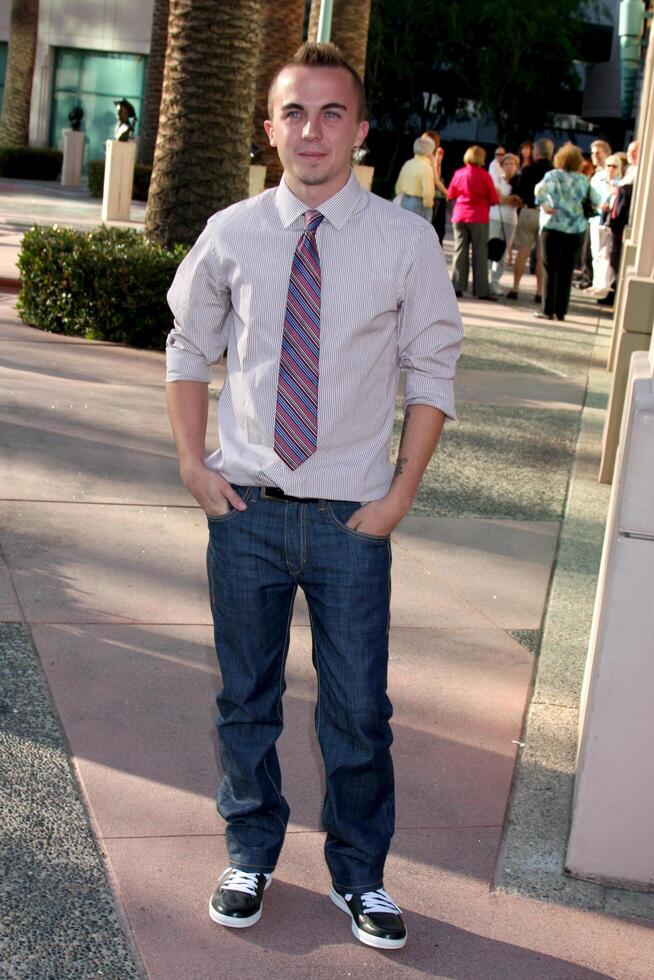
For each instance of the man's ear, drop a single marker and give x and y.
(270, 132)
(362, 132)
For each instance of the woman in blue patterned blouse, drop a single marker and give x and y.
(561, 194)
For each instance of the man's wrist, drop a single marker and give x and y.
(188, 465)
(398, 500)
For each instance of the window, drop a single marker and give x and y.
(92, 80)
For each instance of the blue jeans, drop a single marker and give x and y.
(256, 560)
(412, 203)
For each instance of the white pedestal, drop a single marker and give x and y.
(118, 180)
(71, 171)
(364, 175)
(257, 179)
(613, 807)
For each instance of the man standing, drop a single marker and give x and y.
(528, 219)
(415, 184)
(600, 151)
(632, 164)
(321, 293)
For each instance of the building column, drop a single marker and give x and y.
(632, 328)
(613, 804)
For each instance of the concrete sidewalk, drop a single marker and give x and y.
(102, 589)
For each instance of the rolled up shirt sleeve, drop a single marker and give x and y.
(430, 328)
(200, 302)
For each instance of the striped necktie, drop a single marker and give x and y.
(296, 415)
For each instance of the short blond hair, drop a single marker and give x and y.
(510, 158)
(618, 160)
(602, 144)
(475, 155)
(569, 157)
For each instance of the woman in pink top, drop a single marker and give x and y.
(473, 192)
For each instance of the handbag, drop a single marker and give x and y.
(496, 249)
(497, 246)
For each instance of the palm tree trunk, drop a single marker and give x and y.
(281, 35)
(23, 31)
(153, 82)
(202, 153)
(350, 20)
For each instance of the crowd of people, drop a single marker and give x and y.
(560, 211)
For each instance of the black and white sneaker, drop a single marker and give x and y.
(236, 901)
(376, 919)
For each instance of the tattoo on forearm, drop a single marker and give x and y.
(402, 460)
(399, 467)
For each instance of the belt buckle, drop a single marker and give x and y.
(272, 493)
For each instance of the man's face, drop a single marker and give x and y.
(500, 153)
(314, 126)
(598, 155)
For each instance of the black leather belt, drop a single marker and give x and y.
(274, 493)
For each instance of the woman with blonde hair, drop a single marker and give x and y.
(473, 192)
(561, 194)
(603, 271)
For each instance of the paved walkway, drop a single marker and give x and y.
(101, 577)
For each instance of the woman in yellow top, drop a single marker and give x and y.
(415, 185)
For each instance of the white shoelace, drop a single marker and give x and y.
(240, 881)
(379, 901)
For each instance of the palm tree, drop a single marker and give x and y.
(349, 29)
(23, 30)
(202, 153)
(281, 35)
(153, 82)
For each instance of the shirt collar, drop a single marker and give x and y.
(336, 209)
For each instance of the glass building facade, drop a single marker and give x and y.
(92, 80)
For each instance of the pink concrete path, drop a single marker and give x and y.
(104, 562)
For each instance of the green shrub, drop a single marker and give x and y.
(96, 177)
(142, 174)
(108, 284)
(30, 162)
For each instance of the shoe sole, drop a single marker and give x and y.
(233, 922)
(365, 937)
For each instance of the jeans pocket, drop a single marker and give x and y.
(340, 511)
(244, 493)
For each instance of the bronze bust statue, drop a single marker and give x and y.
(126, 115)
(75, 117)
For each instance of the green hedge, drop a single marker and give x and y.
(30, 162)
(108, 284)
(142, 174)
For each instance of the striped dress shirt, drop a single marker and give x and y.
(387, 305)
